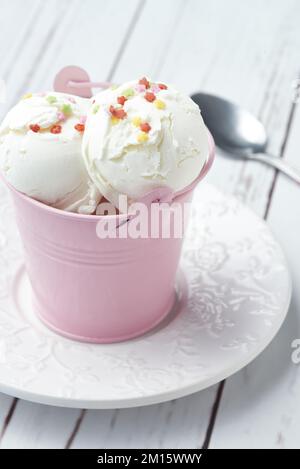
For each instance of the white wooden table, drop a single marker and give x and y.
(247, 51)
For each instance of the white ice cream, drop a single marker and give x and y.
(44, 161)
(123, 156)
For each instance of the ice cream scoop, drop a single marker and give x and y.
(141, 136)
(40, 151)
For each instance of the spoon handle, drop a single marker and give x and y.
(278, 163)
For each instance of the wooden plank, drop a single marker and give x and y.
(260, 408)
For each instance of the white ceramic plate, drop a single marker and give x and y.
(233, 295)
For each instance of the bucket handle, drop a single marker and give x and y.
(75, 80)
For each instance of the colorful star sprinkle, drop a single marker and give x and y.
(122, 100)
(79, 127)
(155, 88)
(95, 109)
(162, 86)
(66, 109)
(159, 104)
(128, 93)
(117, 112)
(136, 121)
(142, 137)
(27, 96)
(56, 129)
(140, 88)
(145, 82)
(114, 120)
(35, 128)
(61, 116)
(51, 99)
(150, 97)
(145, 127)
(120, 113)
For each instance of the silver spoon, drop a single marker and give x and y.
(239, 133)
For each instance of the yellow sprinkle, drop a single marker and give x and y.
(114, 120)
(142, 137)
(159, 104)
(137, 121)
(27, 96)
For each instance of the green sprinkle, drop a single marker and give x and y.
(66, 109)
(114, 87)
(96, 108)
(51, 99)
(128, 93)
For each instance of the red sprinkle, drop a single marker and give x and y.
(150, 97)
(118, 113)
(144, 81)
(162, 86)
(35, 128)
(79, 127)
(145, 127)
(55, 129)
(122, 100)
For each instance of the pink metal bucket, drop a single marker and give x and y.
(92, 289)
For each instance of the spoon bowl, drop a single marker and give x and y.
(233, 128)
(239, 133)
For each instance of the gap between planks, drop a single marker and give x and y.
(8, 417)
(75, 429)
